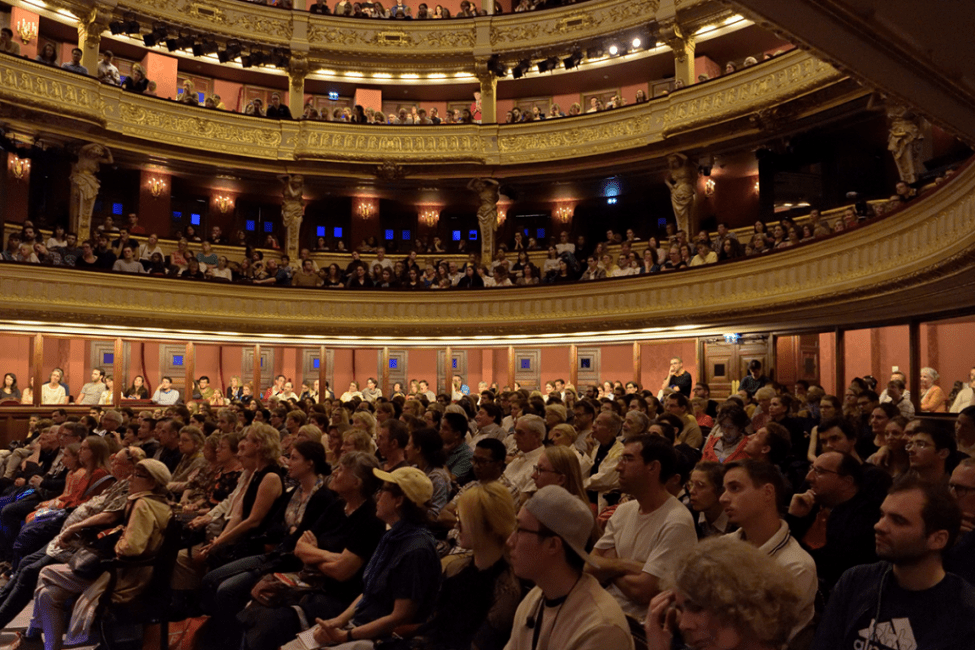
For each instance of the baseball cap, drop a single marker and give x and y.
(413, 482)
(565, 515)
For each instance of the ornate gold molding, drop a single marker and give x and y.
(915, 262)
(29, 87)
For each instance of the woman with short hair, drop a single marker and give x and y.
(728, 590)
(425, 451)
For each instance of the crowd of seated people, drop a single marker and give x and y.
(399, 10)
(341, 520)
(115, 249)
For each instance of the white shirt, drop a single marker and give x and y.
(519, 471)
(965, 397)
(656, 538)
(784, 549)
(146, 253)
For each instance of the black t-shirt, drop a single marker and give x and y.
(682, 381)
(939, 618)
(359, 532)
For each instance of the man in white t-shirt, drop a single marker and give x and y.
(753, 493)
(645, 536)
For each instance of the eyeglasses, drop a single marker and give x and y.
(519, 530)
(539, 470)
(819, 471)
(141, 474)
(961, 490)
(918, 444)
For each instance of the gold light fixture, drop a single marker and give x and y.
(756, 187)
(365, 207)
(27, 30)
(502, 213)
(156, 187)
(20, 167)
(429, 216)
(564, 212)
(224, 203)
(709, 187)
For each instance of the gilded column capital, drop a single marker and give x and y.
(298, 69)
(673, 35)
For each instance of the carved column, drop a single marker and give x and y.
(85, 186)
(297, 70)
(683, 48)
(292, 213)
(489, 99)
(487, 214)
(90, 35)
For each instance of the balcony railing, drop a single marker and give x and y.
(188, 131)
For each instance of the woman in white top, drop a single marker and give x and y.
(57, 239)
(53, 392)
(352, 392)
(151, 246)
(106, 397)
(221, 270)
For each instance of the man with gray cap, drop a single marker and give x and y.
(567, 609)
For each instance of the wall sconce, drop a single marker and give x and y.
(365, 208)
(20, 167)
(502, 213)
(564, 212)
(756, 187)
(27, 30)
(709, 187)
(224, 203)
(156, 187)
(429, 216)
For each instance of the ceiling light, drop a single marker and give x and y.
(614, 49)
(636, 42)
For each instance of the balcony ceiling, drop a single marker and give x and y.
(918, 52)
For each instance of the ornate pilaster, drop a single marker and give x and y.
(489, 100)
(297, 71)
(487, 214)
(683, 48)
(85, 186)
(90, 35)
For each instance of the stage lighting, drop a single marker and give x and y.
(519, 70)
(573, 60)
(614, 49)
(117, 27)
(132, 26)
(636, 43)
(548, 64)
(495, 66)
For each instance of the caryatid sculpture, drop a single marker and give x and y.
(85, 186)
(292, 212)
(682, 181)
(489, 192)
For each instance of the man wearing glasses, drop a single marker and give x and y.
(960, 558)
(567, 608)
(834, 519)
(928, 449)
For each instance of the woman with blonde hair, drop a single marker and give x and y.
(357, 440)
(559, 465)
(479, 594)
(308, 432)
(725, 589)
(364, 421)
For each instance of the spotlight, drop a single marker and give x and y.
(495, 66)
(222, 56)
(171, 44)
(548, 64)
(636, 43)
(614, 49)
(280, 57)
(149, 40)
(132, 26)
(519, 70)
(245, 61)
(573, 60)
(157, 35)
(258, 58)
(594, 53)
(197, 49)
(117, 27)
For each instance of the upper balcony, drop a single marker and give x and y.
(368, 43)
(41, 100)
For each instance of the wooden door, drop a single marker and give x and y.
(726, 363)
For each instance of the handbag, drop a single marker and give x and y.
(95, 555)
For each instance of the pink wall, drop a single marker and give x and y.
(655, 357)
(162, 70)
(15, 357)
(704, 65)
(857, 355)
(827, 362)
(18, 194)
(949, 348)
(231, 94)
(629, 92)
(369, 98)
(564, 102)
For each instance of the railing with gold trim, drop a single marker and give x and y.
(913, 262)
(325, 37)
(195, 133)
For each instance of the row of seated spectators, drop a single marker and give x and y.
(399, 10)
(117, 250)
(348, 519)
